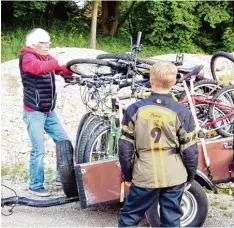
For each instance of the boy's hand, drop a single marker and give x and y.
(128, 183)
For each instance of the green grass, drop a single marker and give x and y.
(223, 188)
(19, 171)
(206, 190)
(223, 207)
(227, 215)
(15, 171)
(13, 39)
(215, 204)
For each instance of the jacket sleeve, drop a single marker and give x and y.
(31, 64)
(63, 71)
(188, 145)
(126, 146)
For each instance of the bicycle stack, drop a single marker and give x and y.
(109, 83)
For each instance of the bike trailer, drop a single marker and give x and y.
(99, 183)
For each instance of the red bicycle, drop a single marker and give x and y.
(215, 106)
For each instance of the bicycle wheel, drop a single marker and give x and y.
(84, 137)
(126, 57)
(222, 67)
(204, 88)
(84, 118)
(102, 145)
(90, 67)
(224, 96)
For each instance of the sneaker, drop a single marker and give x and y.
(40, 192)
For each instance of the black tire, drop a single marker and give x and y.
(80, 126)
(84, 138)
(194, 199)
(78, 156)
(89, 149)
(229, 92)
(214, 59)
(125, 57)
(93, 62)
(64, 153)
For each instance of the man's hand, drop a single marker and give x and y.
(187, 186)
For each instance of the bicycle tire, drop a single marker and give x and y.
(91, 143)
(97, 62)
(226, 89)
(125, 57)
(80, 126)
(198, 84)
(215, 57)
(82, 140)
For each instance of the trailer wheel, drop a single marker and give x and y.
(64, 153)
(194, 204)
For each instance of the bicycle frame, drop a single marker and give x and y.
(197, 100)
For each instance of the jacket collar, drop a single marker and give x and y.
(166, 95)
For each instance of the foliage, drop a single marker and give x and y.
(188, 26)
(14, 39)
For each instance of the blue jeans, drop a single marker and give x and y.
(140, 199)
(37, 123)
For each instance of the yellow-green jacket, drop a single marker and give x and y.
(158, 147)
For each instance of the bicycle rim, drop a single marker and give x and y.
(104, 146)
(225, 126)
(89, 67)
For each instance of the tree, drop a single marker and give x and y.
(94, 24)
(110, 15)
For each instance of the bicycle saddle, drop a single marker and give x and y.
(186, 70)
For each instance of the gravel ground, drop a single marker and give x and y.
(221, 211)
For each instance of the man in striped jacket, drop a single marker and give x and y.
(157, 151)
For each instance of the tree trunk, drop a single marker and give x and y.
(110, 14)
(104, 17)
(94, 24)
(115, 23)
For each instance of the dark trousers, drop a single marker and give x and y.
(139, 201)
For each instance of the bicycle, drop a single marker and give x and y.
(225, 108)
